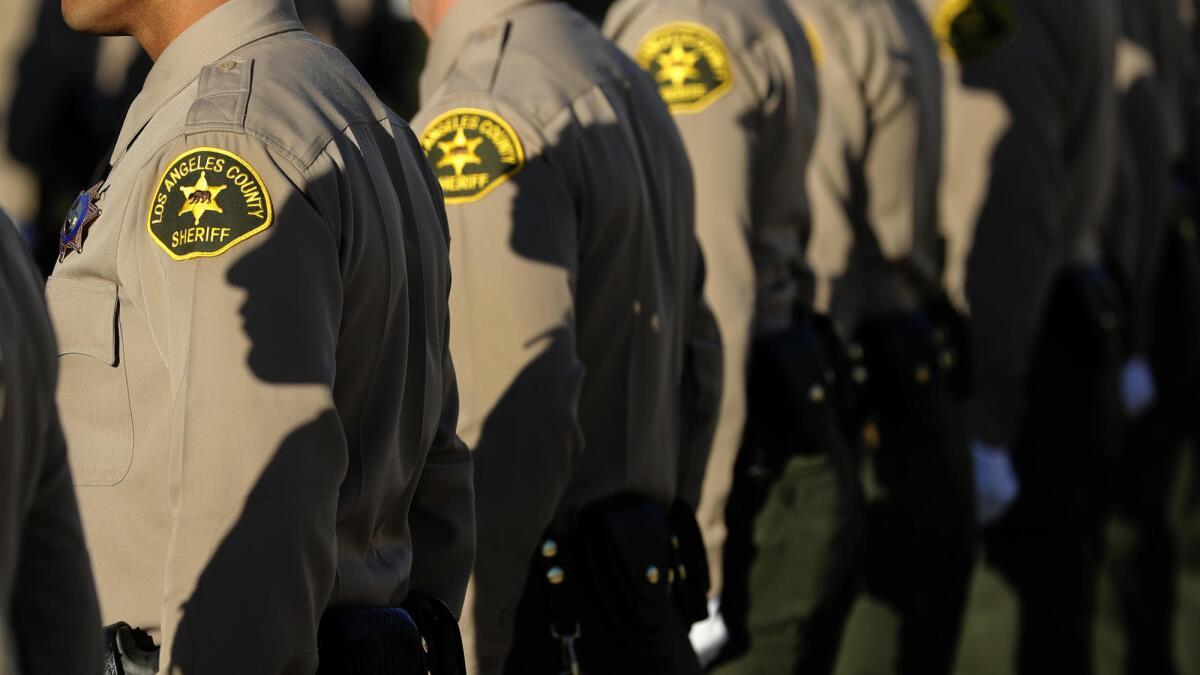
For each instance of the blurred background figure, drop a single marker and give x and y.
(776, 511)
(1031, 151)
(380, 39)
(17, 184)
(877, 254)
(1153, 246)
(66, 96)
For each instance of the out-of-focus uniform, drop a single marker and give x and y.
(1031, 143)
(256, 383)
(877, 255)
(18, 185)
(50, 622)
(738, 76)
(589, 364)
(69, 93)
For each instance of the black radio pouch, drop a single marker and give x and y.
(361, 641)
(790, 396)
(622, 544)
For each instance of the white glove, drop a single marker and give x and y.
(710, 635)
(996, 485)
(1137, 386)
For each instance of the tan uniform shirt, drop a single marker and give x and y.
(1029, 162)
(739, 79)
(49, 619)
(873, 182)
(589, 364)
(256, 381)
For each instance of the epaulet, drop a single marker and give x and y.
(481, 55)
(223, 95)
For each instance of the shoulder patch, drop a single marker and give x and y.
(208, 201)
(689, 63)
(472, 152)
(971, 29)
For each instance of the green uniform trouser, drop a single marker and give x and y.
(794, 512)
(791, 568)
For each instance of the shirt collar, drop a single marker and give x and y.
(463, 19)
(227, 28)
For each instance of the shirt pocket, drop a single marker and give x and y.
(93, 386)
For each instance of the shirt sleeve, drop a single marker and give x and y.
(247, 321)
(837, 157)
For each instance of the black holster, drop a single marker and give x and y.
(613, 589)
(129, 651)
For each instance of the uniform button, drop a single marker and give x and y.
(922, 374)
(424, 645)
(637, 307)
(859, 375)
(946, 359)
(870, 436)
(652, 574)
(670, 576)
(549, 548)
(228, 66)
(1108, 321)
(655, 323)
(854, 350)
(556, 576)
(682, 572)
(816, 393)
(675, 542)
(939, 337)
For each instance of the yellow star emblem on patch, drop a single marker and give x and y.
(201, 198)
(690, 64)
(459, 152)
(678, 65)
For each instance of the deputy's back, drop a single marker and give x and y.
(252, 318)
(576, 287)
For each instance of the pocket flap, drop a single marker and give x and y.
(85, 318)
